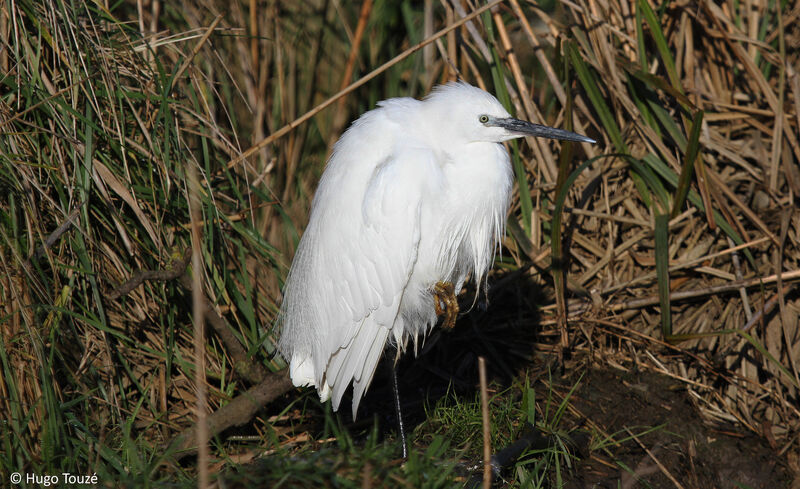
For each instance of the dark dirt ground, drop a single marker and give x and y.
(683, 452)
(669, 444)
(679, 450)
(663, 440)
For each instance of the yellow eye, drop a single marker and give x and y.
(483, 119)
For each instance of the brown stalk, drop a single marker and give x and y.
(239, 411)
(487, 433)
(692, 294)
(198, 315)
(190, 59)
(377, 71)
(340, 114)
(250, 371)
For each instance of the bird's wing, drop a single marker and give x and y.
(389, 235)
(360, 251)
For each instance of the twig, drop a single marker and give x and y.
(61, 229)
(250, 371)
(768, 306)
(714, 289)
(176, 268)
(236, 413)
(681, 265)
(717, 181)
(755, 318)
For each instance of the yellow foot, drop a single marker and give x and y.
(445, 302)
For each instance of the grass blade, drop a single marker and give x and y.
(690, 156)
(662, 272)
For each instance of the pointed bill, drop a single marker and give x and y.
(525, 128)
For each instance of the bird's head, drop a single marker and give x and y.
(469, 114)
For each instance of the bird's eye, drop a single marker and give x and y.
(483, 119)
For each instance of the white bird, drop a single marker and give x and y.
(413, 201)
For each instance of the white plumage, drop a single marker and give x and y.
(415, 193)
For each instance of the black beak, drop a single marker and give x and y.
(525, 128)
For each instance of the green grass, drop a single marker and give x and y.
(106, 140)
(340, 459)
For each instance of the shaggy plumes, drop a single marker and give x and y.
(415, 193)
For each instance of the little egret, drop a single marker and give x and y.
(413, 201)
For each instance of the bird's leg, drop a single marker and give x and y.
(445, 302)
(397, 411)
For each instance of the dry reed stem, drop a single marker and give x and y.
(487, 432)
(748, 143)
(655, 459)
(363, 17)
(198, 316)
(369, 76)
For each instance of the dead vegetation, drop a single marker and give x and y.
(674, 250)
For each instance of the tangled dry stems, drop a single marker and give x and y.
(94, 156)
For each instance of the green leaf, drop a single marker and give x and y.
(691, 154)
(661, 43)
(662, 272)
(598, 101)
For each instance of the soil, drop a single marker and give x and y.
(683, 452)
(670, 445)
(660, 440)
